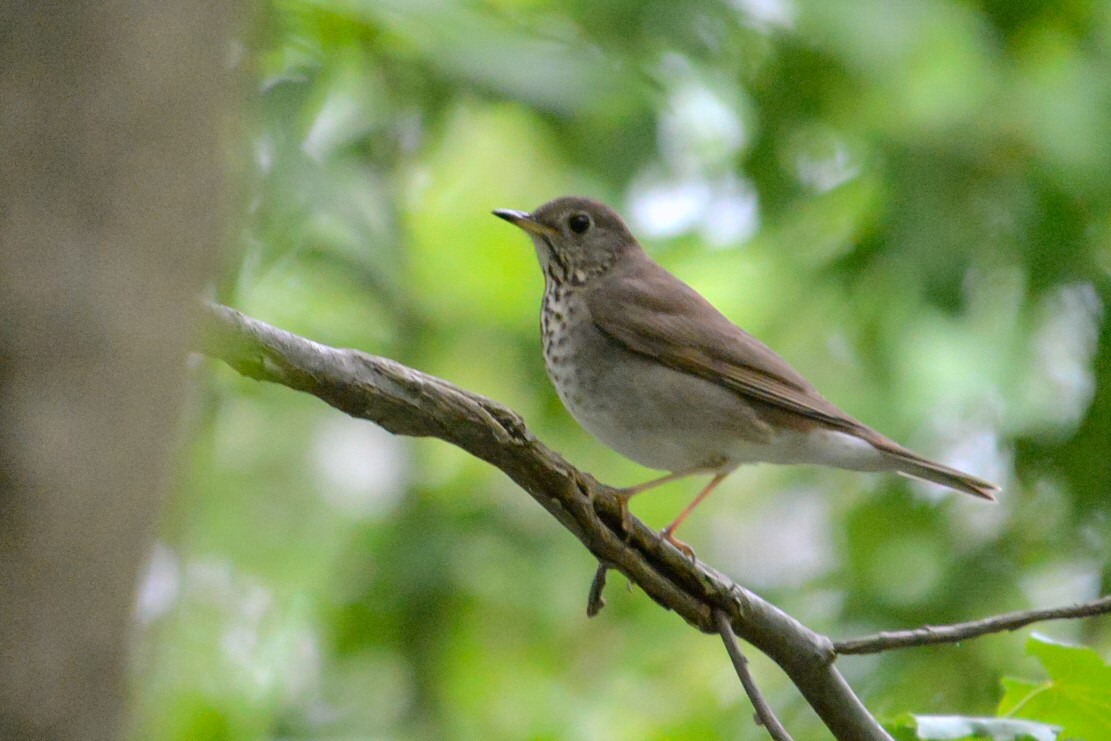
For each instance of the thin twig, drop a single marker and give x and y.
(764, 714)
(932, 634)
(595, 601)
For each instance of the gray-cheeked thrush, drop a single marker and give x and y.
(655, 372)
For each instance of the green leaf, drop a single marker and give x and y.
(963, 728)
(1076, 697)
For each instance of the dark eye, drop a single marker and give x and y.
(579, 223)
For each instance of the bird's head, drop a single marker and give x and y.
(575, 237)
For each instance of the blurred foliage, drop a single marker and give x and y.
(1073, 703)
(910, 201)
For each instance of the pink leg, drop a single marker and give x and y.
(668, 532)
(629, 491)
(624, 495)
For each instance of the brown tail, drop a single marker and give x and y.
(911, 464)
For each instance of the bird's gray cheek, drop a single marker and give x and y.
(541, 253)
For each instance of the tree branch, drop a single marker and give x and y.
(933, 634)
(408, 402)
(764, 712)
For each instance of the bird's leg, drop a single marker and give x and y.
(668, 532)
(624, 495)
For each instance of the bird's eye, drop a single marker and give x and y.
(579, 223)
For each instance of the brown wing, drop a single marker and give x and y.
(651, 312)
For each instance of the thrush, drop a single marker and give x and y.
(650, 368)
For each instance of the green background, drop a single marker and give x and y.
(911, 202)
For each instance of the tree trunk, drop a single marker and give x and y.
(110, 115)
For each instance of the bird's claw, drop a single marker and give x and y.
(683, 548)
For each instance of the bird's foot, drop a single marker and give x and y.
(685, 549)
(623, 497)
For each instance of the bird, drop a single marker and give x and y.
(651, 369)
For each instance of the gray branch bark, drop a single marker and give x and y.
(764, 714)
(408, 402)
(929, 635)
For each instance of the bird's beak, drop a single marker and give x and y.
(525, 221)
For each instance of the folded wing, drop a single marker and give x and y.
(685, 332)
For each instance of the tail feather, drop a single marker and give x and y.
(912, 465)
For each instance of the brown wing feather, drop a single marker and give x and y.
(651, 312)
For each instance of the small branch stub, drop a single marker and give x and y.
(595, 601)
